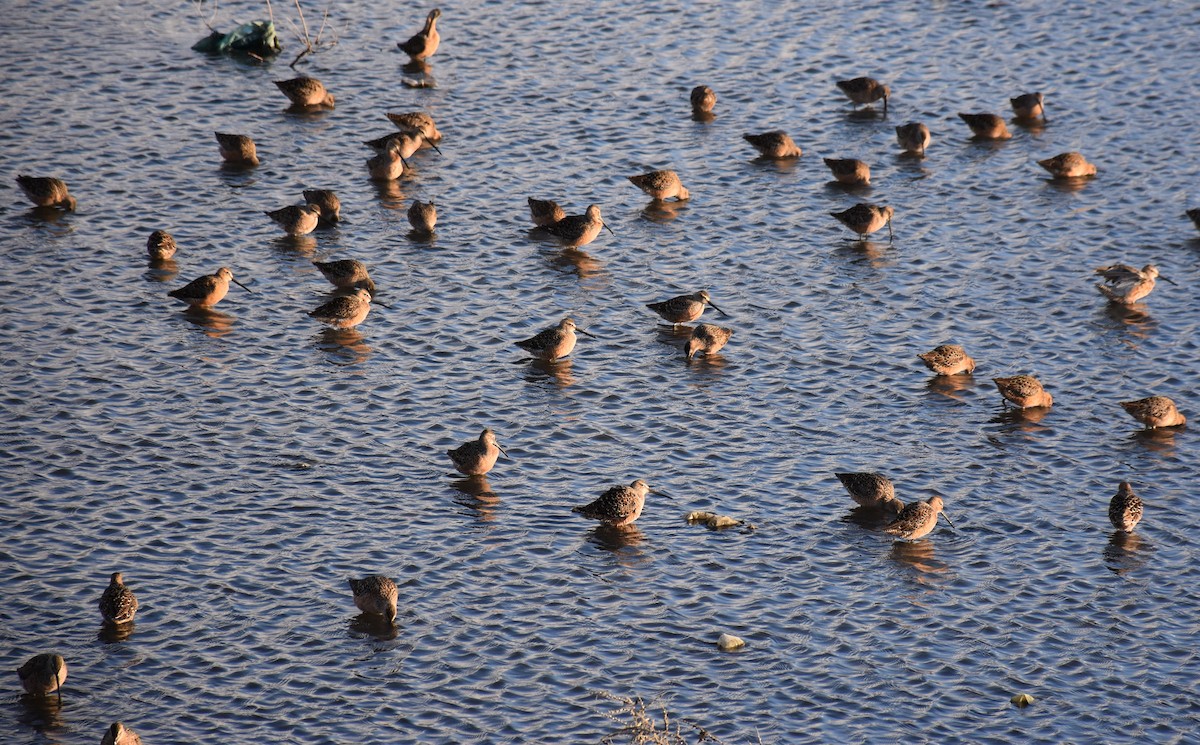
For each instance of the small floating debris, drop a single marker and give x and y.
(1021, 700)
(713, 520)
(425, 83)
(729, 642)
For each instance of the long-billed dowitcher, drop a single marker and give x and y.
(477, 457)
(1127, 285)
(422, 216)
(553, 343)
(344, 312)
(986, 126)
(865, 219)
(346, 274)
(1068, 165)
(207, 291)
(1125, 508)
(45, 191)
(1194, 215)
(237, 149)
(545, 212)
(849, 171)
(407, 142)
(417, 122)
(296, 220)
(1155, 411)
(43, 674)
(918, 519)
(707, 338)
(661, 185)
(872, 490)
(619, 506)
(326, 201)
(579, 230)
(865, 90)
(118, 604)
(425, 42)
(1024, 392)
(913, 137)
(775, 144)
(388, 165)
(119, 734)
(703, 100)
(375, 594)
(948, 359)
(684, 308)
(305, 91)
(160, 246)
(1028, 106)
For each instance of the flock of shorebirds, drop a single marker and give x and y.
(621, 505)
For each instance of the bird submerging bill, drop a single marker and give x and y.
(708, 339)
(918, 519)
(948, 359)
(306, 92)
(1154, 412)
(865, 90)
(872, 490)
(375, 594)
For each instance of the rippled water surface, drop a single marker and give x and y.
(238, 466)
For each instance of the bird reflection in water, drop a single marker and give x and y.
(623, 543)
(214, 323)
(581, 262)
(161, 270)
(871, 517)
(1132, 318)
(661, 212)
(115, 633)
(391, 193)
(42, 713)
(477, 496)
(919, 557)
(343, 346)
(1159, 439)
(1021, 420)
(874, 252)
(297, 245)
(950, 386)
(1126, 551)
(1067, 185)
(375, 626)
(558, 371)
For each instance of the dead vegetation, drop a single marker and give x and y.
(639, 727)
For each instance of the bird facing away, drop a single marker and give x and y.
(918, 519)
(375, 594)
(160, 246)
(948, 359)
(1156, 411)
(207, 291)
(118, 604)
(707, 338)
(44, 191)
(346, 274)
(579, 230)
(326, 201)
(619, 506)
(1028, 106)
(1126, 285)
(42, 674)
(296, 220)
(345, 312)
(986, 126)
(684, 308)
(305, 91)
(913, 137)
(544, 212)
(865, 90)
(119, 734)
(775, 144)
(872, 490)
(1024, 392)
(1194, 215)
(1068, 165)
(419, 123)
(1125, 508)
(477, 457)
(553, 343)
(422, 216)
(425, 42)
(661, 185)
(865, 219)
(237, 149)
(849, 171)
(703, 100)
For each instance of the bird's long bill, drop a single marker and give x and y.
(714, 306)
(239, 284)
(943, 514)
(661, 493)
(614, 235)
(1168, 281)
(502, 450)
(383, 305)
(585, 333)
(890, 238)
(435, 147)
(1044, 119)
(885, 98)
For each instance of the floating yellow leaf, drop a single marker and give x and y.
(1021, 700)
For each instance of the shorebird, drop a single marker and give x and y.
(913, 137)
(326, 201)
(619, 506)
(345, 312)
(1127, 285)
(865, 90)
(118, 604)
(207, 291)
(417, 122)
(160, 246)
(119, 734)
(388, 165)
(1156, 411)
(425, 42)
(1125, 508)
(918, 519)
(407, 142)
(375, 594)
(237, 149)
(44, 191)
(1024, 391)
(1068, 165)
(872, 490)
(986, 126)
(948, 359)
(579, 230)
(43, 674)
(554, 343)
(347, 274)
(304, 91)
(545, 212)
(422, 216)
(707, 338)
(703, 100)
(774, 144)
(684, 308)
(296, 220)
(477, 457)
(661, 185)
(865, 219)
(849, 171)
(1028, 106)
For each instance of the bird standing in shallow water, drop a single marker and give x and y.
(619, 506)
(918, 519)
(296, 220)
(237, 149)
(160, 246)
(118, 604)
(1024, 391)
(1126, 285)
(871, 490)
(865, 219)
(207, 291)
(986, 126)
(707, 338)
(45, 191)
(119, 734)
(553, 343)
(422, 216)
(326, 201)
(1156, 411)
(305, 91)
(913, 137)
(1028, 106)
(345, 312)
(865, 90)
(418, 123)
(579, 230)
(661, 185)
(346, 274)
(684, 308)
(425, 42)
(1125, 508)
(849, 171)
(703, 100)
(375, 594)
(544, 212)
(477, 457)
(43, 674)
(1068, 165)
(948, 359)
(775, 144)
(388, 165)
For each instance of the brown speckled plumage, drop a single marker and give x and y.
(683, 308)
(1155, 411)
(118, 604)
(345, 312)
(160, 246)
(545, 212)
(45, 191)
(417, 122)
(774, 144)
(237, 149)
(849, 171)
(43, 674)
(375, 594)
(553, 343)
(948, 359)
(1068, 165)
(865, 90)
(206, 291)
(917, 520)
(305, 91)
(578, 230)
(422, 216)
(346, 274)
(619, 506)
(425, 42)
(703, 100)
(1028, 106)
(1125, 284)
(326, 201)
(707, 338)
(1125, 508)
(119, 734)
(871, 490)
(913, 137)
(477, 457)
(986, 126)
(661, 185)
(296, 220)
(1023, 391)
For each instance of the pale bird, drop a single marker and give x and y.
(1125, 284)
(305, 91)
(986, 126)
(417, 122)
(1028, 106)
(1155, 411)
(661, 185)
(913, 137)
(775, 144)
(477, 457)
(425, 42)
(1024, 392)
(948, 359)
(237, 149)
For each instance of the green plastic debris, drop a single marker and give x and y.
(257, 38)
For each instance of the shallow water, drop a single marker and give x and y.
(238, 466)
